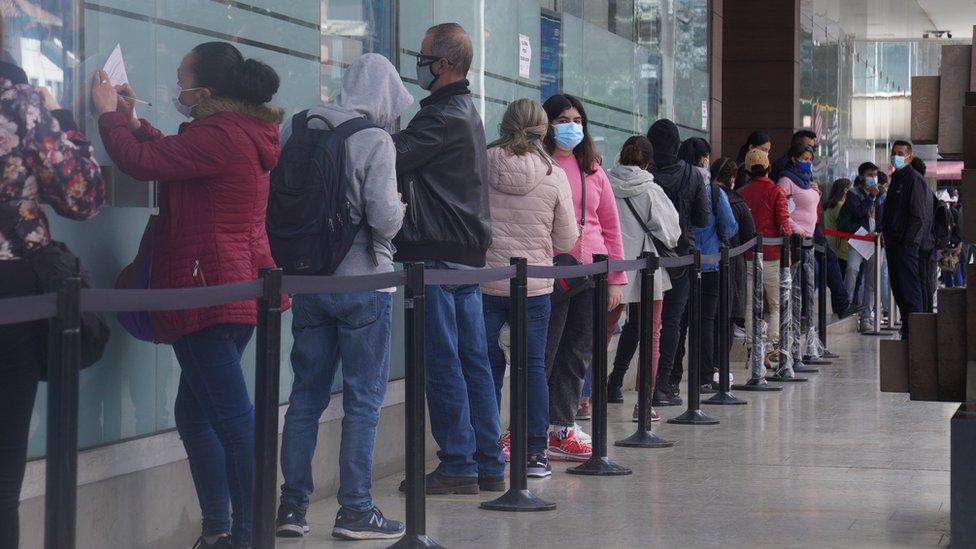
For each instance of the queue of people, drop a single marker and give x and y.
(435, 192)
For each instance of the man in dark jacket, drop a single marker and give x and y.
(442, 171)
(685, 186)
(806, 137)
(863, 209)
(907, 221)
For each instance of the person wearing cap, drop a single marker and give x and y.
(767, 202)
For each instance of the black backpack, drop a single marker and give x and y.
(942, 224)
(309, 225)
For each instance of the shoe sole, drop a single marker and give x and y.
(556, 454)
(539, 474)
(584, 418)
(500, 487)
(343, 533)
(291, 531)
(465, 490)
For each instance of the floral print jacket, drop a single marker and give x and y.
(40, 164)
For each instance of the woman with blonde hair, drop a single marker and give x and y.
(531, 214)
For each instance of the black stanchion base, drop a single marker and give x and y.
(644, 439)
(518, 501)
(693, 417)
(828, 354)
(816, 361)
(599, 466)
(805, 370)
(416, 540)
(757, 385)
(726, 399)
(779, 379)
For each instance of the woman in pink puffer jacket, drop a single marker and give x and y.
(531, 213)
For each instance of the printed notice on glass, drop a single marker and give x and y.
(115, 68)
(525, 56)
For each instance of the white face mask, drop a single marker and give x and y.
(175, 92)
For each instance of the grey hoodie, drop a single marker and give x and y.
(371, 87)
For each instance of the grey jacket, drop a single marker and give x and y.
(371, 87)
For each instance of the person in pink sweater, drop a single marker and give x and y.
(569, 347)
(802, 193)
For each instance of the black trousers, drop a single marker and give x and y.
(927, 269)
(672, 310)
(626, 346)
(905, 282)
(20, 345)
(709, 327)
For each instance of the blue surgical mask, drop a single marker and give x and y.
(898, 161)
(568, 135)
(871, 182)
(805, 167)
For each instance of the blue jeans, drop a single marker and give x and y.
(496, 315)
(215, 420)
(460, 389)
(329, 329)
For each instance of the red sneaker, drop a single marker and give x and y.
(506, 443)
(568, 447)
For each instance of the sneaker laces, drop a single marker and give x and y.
(581, 435)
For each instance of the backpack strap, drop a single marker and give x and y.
(299, 122)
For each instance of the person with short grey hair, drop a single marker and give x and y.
(442, 169)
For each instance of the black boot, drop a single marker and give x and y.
(614, 394)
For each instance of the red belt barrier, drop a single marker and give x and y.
(849, 236)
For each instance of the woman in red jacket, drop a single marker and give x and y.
(214, 188)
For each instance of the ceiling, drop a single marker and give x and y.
(897, 19)
(956, 16)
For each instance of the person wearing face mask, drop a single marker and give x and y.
(806, 138)
(684, 184)
(802, 193)
(863, 208)
(442, 171)
(213, 178)
(353, 328)
(906, 223)
(570, 343)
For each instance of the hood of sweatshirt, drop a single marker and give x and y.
(516, 174)
(372, 88)
(629, 181)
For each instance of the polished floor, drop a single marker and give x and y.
(828, 463)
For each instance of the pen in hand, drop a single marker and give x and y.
(127, 98)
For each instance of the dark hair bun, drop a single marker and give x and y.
(259, 82)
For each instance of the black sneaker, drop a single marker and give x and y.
(708, 389)
(488, 483)
(661, 399)
(675, 396)
(439, 484)
(538, 466)
(369, 524)
(614, 395)
(290, 523)
(222, 543)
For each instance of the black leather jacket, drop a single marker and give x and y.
(908, 210)
(442, 172)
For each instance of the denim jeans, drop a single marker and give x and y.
(862, 294)
(215, 420)
(332, 329)
(460, 389)
(497, 310)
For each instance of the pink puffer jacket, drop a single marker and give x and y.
(531, 213)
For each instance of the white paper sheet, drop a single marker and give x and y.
(525, 56)
(863, 248)
(115, 68)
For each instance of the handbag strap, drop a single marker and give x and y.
(658, 245)
(582, 226)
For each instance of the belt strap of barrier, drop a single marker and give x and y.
(850, 236)
(28, 308)
(628, 265)
(114, 301)
(574, 271)
(743, 248)
(434, 277)
(683, 261)
(714, 258)
(773, 240)
(341, 284)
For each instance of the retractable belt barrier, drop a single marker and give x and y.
(63, 309)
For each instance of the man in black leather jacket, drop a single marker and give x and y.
(442, 174)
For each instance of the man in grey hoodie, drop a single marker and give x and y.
(351, 329)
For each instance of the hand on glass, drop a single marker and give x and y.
(615, 295)
(126, 105)
(103, 95)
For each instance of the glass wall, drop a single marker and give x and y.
(630, 61)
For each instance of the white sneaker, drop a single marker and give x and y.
(716, 378)
(738, 333)
(583, 437)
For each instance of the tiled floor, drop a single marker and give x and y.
(828, 463)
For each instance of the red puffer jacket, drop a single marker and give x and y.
(767, 202)
(214, 192)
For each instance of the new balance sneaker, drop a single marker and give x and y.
(538, 466)
(565, 445)
(584, 412)
(290, 523)
(369, 524)
(506, 444)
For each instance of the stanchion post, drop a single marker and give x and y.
(645, 437)
(785, 372)
(876, 327)
(599, 464)
(724, 395)
(415, 417)
(64, 361)
(518, 497)
(801, 300)
(757, 382)
(822, 304)
(267, 376)
(693, 415)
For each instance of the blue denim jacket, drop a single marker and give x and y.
(720, 228)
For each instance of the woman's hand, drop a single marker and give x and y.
(615, 295)
(103, 95)
(126, 105)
